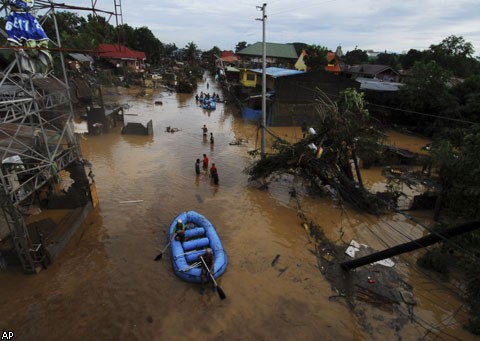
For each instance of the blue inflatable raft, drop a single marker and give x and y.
(199, 235)
(209, 104)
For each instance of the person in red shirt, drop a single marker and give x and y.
(205, 161)
(214, 174)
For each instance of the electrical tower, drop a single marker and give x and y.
(37, 139)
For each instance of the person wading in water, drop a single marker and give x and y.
(214, 174)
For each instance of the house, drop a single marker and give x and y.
(294, 102)
(229, 57)
(248, 78)
(79, 62)
(375, 77)
(378, 85)
(373, 71)
(333, 63)
(225, 63)
(252, 105)
(122, 57)
(272, 73)
(300, 64)
(280, 55)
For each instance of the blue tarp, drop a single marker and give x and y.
(276, 72)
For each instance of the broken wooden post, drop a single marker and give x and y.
(413, 245)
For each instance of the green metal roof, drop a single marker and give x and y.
(273, 50)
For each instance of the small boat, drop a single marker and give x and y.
(200, 234)
(209, 104)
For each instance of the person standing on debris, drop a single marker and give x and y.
(211, 138)
(205, 130)
(197, 167)
(205, 161)
(214, 174)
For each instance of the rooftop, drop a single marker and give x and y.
(272, 50)
(276, 72)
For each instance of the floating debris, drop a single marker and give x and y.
(237, 142)
(171, 130)
(275, 260)
(281, 271)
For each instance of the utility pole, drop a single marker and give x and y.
(264, 79)
(428, 240)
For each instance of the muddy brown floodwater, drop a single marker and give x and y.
(106, 286)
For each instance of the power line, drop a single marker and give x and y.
(47, 4)
(422, 114)
(422, 323)
(415, 268)
(330, 95)
(297, 6)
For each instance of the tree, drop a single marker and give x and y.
(97, 31)
(356, 56)
(426, 91)
(299, 47)
(316, 57)
(468, 96)
(412, 56)
(169, 49)
(454, 46)
(70, 25)
(144, 40)
(190, 52)
(390, 59)
(459, 165)
(209, 57)
(454, 54)
(458, 162)
(325, 158)
(240, 46)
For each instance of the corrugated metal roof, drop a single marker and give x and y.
(118, 52)
(276, 72)
(272, 50)
(370, 69)
(81, 57)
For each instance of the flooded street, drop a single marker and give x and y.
(105, 284)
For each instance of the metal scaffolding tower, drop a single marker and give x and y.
(119, 20)
(36, 134)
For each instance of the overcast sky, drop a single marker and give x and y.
(392, 25)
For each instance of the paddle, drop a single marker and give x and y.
(159, 256)
(220, 292)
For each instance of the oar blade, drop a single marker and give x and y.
(221, 294)
(159, 256)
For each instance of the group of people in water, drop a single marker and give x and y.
(213, 169)
(180, 227)
(206, 96)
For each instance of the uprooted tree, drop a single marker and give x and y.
(343, 132)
